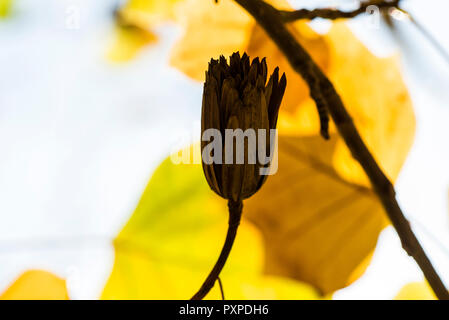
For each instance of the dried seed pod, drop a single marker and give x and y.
(237, 96)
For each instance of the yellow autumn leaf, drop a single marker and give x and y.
(376, 97)
(317, 227)
(337, 216)
(209, 30)
(268, 288)
(148, 13)
(175, 235)
(230, 29)
(36, 285)
(5, 8)
(134, 24)
(128, 42)
(261, 45)
(372, 88)
(416, 291)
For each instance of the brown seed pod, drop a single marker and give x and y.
(237, 96)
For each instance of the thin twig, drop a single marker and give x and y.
(235, 214)
(271, 20)
(221, 288)
(426, 33)
(333, 14)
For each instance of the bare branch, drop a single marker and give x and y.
(333, 14)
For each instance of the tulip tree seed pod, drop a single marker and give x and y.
(238, 96)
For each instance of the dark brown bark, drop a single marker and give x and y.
(332, 14)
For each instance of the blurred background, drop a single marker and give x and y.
(80, 136)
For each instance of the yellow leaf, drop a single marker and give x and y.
(323, 205)
(378, 100)
(376, 97)
(268, 288)
(318, 228)
(135, 20)
(128, 43)
(148, 13)
(230, 29)
(36, 285)
(210, 30)
(372, 88)
(174, 237)
(261, 45)
(416, 291)
(5, 8)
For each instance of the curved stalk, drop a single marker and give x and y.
(235, 214)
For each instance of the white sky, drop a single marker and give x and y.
(79, 139)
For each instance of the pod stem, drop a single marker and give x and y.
(235, 214)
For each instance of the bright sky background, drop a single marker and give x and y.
(79, 138)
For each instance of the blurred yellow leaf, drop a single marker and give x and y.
(317, 227)
(378, 100)
(229, 29)
(320, 201)
(5, 8)
(36, 285)
(209, 30)
(135, 21)
(268, 288)
(376, 97)
(261, 45)
(372, 88)
(174, 237)
(148, 13)
(128, 43)
(416, 291)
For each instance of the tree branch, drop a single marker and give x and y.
(326, 13)
(272, 21)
